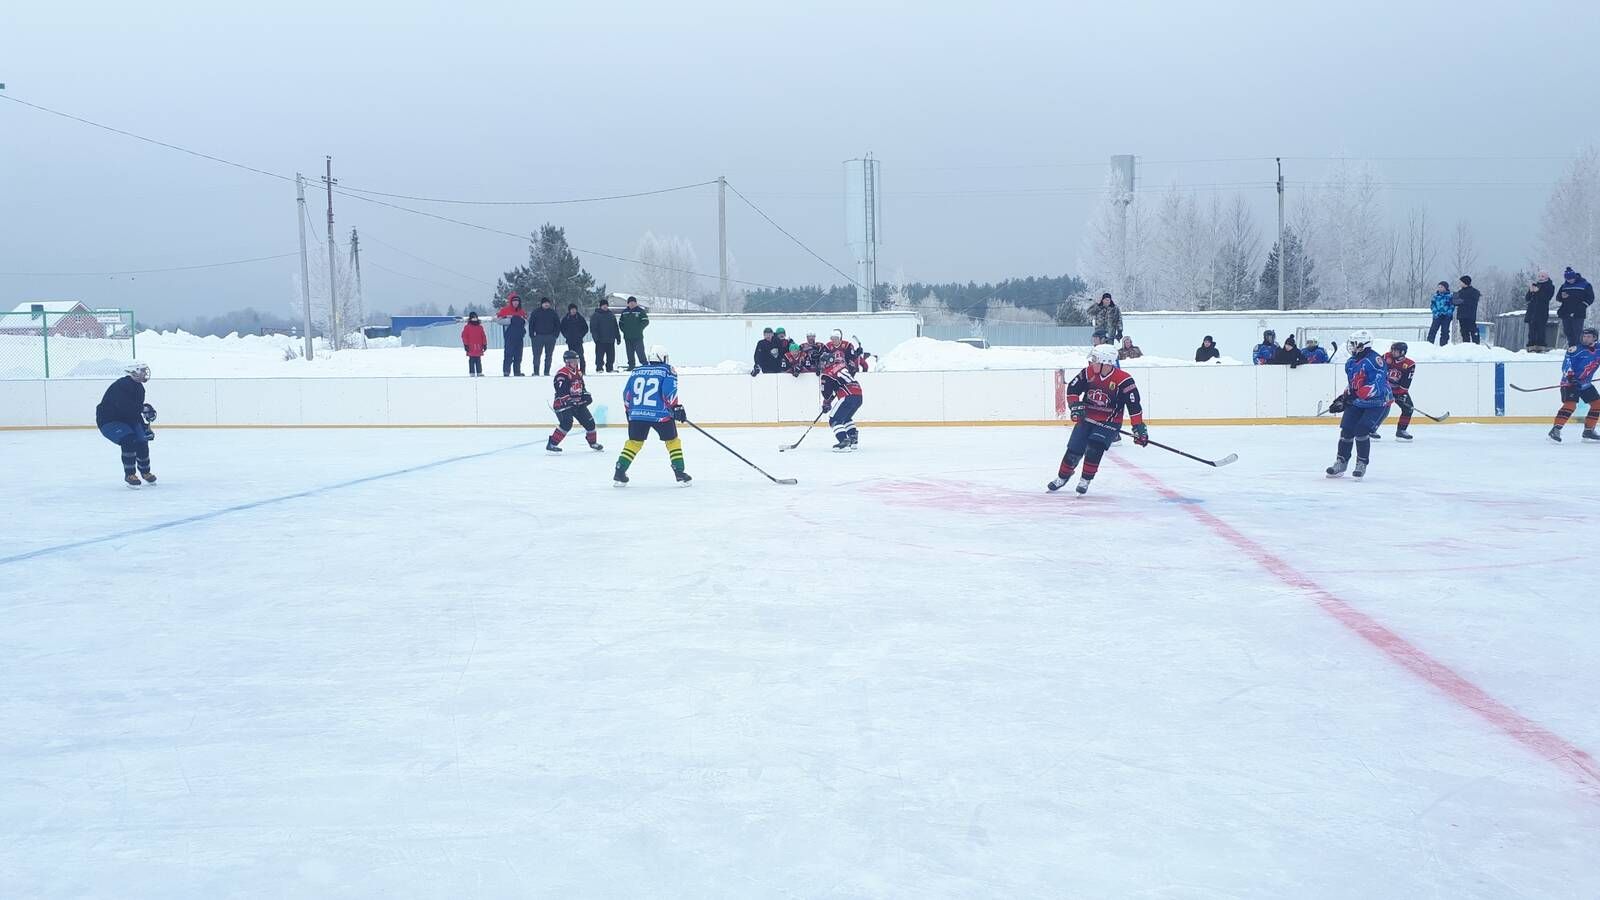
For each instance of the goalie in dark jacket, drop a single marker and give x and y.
(124, 419)
(571, 403)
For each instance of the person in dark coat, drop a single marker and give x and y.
(1106, 316)
(475, 342)
(124, 419)
(633, 321)
(574, 327)
(1574, 300)
(769, 354)
(603, 331)
(516, 323)
(1289, 354)
(1207, 350)
(1466, 302)
(545, 326)
(1537, 316)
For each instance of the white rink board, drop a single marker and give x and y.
(1465, 390)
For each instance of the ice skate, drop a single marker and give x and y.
(551, 447)
(1057, 484)
(619, 478)
(1555, 433)
(682, 476)
(1589, 434)
(842, 445)
(596, 446)
(1083, 486)
(1360, 470)
(1338, 467)
(1402, 435)
(148, 476)
(1376, 436)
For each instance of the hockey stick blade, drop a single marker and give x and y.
(1534, 390)
(787, 480)
(1434, 417)
(737, 455)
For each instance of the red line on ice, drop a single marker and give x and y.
(1553, 747)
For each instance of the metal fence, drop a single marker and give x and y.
(79, 343)
(1000, 334)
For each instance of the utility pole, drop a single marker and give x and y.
(333, 272)
(722, 242)
(305, 266)
(1283, 250)
(361, 300)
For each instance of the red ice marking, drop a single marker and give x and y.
(1553, 747)
(966, 496)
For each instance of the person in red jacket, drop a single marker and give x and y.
(475, 342)
(571, 402)
(516, 325)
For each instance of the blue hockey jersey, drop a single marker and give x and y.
(1578, 369)
(650, 393)
(1369, 380)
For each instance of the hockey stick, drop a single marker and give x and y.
(1534, 390)
(1230, 459)
(741, 458)
(783, 447)
(1430, 416)
(858, 347)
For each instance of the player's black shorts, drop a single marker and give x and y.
(638, 431)
(1571, 394)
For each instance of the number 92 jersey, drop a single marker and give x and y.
(650, 393)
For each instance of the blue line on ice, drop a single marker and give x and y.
(254, 504)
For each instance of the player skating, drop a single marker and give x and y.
(839, 383)
(1362, 404)
(572, 402)
(1577, 383)
(650, 398)
(1098, 397)
(124, 419)
(1400, 370)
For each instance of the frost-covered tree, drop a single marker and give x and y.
(344, 280)
(1112, 263)
(1347, 239)
(1570, 233)
(1183, 251)
(1300, 290)
(1465, 252)
(1420, 254)
(666, 267)
(1007, 313)
(1233, 280)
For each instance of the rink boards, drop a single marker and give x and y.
(1172, 395)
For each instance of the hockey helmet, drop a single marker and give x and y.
(1399, 347)
(1360, 340)
(1105, 355)
(1591, 334)
(137, 370)
(570, 355)
(658, 354)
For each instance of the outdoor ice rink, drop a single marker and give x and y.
(440, 663)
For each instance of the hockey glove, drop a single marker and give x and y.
(149, 434)
(827, 406)
(1141, 434)
(149, 413)
(679, 414)
(585, 398)
(754, 370)
(1075, 411)
(1339, 403)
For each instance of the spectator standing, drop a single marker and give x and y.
(603, 331)
(475, 342)
(1537, 316)
(1466, 302)
(1266, 352)
(1128, 350)
(516, 325)
(633, 321)
(1289, 354)
(769, 354)
(1313, 354)
(545, 325)
(574, 328)
(1207, 351)
(1443, 307)
(1576, 296)
(1105, 316)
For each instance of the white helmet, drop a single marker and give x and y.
(1360, 340)
(138, 370)
(658, 354)
(836, 334)
(1104, 354)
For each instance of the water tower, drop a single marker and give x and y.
(863, 223)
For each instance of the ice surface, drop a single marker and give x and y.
(440, 663)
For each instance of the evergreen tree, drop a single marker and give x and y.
(1299, 282)
(553, 271)
(451, 311)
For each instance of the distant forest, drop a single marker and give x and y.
(1060, 298)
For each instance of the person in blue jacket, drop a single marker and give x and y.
(1363, 404)
(124, 419)
(1444, 309)
(1577, 383)
(1314, 353)
(1266, 352)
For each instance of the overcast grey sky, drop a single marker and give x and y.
(993, 121)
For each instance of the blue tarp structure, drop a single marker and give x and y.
(398, 324)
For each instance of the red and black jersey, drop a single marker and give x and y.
(846, 352)
(838, 381)
(569, 387)
(1104, 398)
(1401, 372)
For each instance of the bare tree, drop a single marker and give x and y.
(666, 268)
(1184, 251)
(1389, 289)
(1237, 262)
(1570, 234)
(1419, 259)
(1465, 253)
(321, 307)
(1116, 248)
(1347, 244)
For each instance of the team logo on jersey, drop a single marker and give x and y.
(1098, 397)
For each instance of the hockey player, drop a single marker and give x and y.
(843, 351)
(124, 419)
(1362, 404)
(795, 362)
(650, 398)
(1577, 383)
(572, 402)
(839, 383)
(1097, 397)
(1400, 372)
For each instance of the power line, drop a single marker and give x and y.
(448, 287)
(429, 262)
(216, 265)
(796, 240)
(683, 187)
(147, 140)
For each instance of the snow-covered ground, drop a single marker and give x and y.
(441, 663)
(181, 355)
